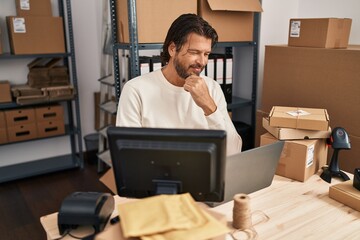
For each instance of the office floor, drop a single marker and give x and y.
(23, 202)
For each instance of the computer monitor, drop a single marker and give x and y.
(151, 161)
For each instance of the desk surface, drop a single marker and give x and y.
(296, 210)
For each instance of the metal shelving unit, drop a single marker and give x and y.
(72, 109)
(107, 111)
(238, 102)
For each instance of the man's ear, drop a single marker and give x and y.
(172, 49)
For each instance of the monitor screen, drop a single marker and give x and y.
(151, 161)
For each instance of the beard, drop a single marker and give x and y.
(184, 71)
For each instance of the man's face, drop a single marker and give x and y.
(193, 56)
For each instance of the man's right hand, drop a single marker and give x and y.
(199, 91)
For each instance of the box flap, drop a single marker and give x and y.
(109, 180)
(236, 5)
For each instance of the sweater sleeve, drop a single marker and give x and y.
(220, 119)
(129, 108)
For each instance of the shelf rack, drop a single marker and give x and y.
(74, 159)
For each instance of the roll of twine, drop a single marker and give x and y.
(242, 212)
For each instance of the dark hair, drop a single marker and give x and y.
(181, 28)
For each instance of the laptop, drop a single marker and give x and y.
(251, 170)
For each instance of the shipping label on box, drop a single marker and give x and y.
(294, 134)
(300, 159)
(19, 117)
(319, 32)
(232, 20)
(300, 118)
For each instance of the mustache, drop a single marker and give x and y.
(197, 66)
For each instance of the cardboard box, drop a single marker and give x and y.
(22, 132)
(233, 20)
(300, 118)
(3, 131)
(50, 128)
(36, 35)
(33, 8)
(2, 120)
(300, 159)
(259, 129)
(294, 134)
(49, 113)
(5, 92)
(108, 179)
(154, 18)
(318, 78)
(3, 136)
(18, 117)
(319, 32)
(346, 194)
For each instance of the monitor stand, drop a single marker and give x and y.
(167, 186)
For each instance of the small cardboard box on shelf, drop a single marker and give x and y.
(33, 8)
(319, 32)
(153, 18)
(232, 20)
(36, 35)
(5, 92)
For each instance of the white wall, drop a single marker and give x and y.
(87, 17)
(276, 15)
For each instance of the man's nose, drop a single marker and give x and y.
(202, 59)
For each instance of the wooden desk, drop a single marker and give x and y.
(296, 210)
(301, 211)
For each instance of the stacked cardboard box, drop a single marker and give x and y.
(318, 78)
(21, 124)
(153, 18)
(34, 30)
(30, 123)
(233, 20)
(5, 93)
(303, 130)
(50, 121)
(3, 132)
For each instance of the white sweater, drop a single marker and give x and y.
(151, 101)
